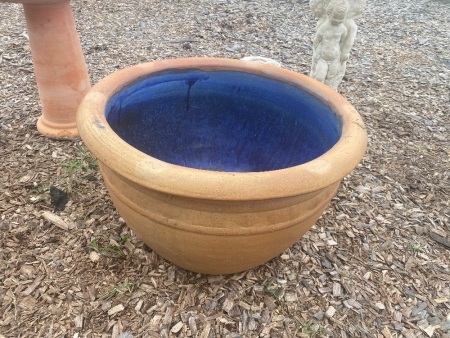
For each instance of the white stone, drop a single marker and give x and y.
(429, 330)
(115, 309)
(331, 242)
(380, 306)
(330, 312)
(177, 327)
(262, 59)
(94, 256)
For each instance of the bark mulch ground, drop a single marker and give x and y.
(376, 264)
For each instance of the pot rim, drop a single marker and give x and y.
(158, 175)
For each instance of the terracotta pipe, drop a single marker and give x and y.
(61, 72)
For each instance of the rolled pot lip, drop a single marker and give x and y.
(161, 176)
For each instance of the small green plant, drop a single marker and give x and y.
(118, 289)
(77, 167)
(123, 239)
(113, 249)
(73, 165)
(415, 247)
(108, 248)
(275, 290)
(83, 160)
(93, 245)
(311, 329)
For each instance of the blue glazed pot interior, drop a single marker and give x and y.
(222, 120)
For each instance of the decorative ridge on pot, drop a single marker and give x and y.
(150, 172)
(194, 228)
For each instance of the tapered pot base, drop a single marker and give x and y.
(183, 229)
(209, 253)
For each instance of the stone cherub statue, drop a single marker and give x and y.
(336, 32)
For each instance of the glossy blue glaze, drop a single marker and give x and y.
(222, 120)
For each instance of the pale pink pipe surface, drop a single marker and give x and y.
(35, 1)
(61, 72)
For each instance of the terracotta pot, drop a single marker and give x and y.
(61, 73)
(219, 165)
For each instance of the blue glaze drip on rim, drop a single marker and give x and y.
(222, 120)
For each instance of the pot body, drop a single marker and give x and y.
(210, 236)
(210, 221)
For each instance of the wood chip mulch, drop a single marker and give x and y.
(376, 264)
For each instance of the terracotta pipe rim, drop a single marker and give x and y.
(161, 176)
